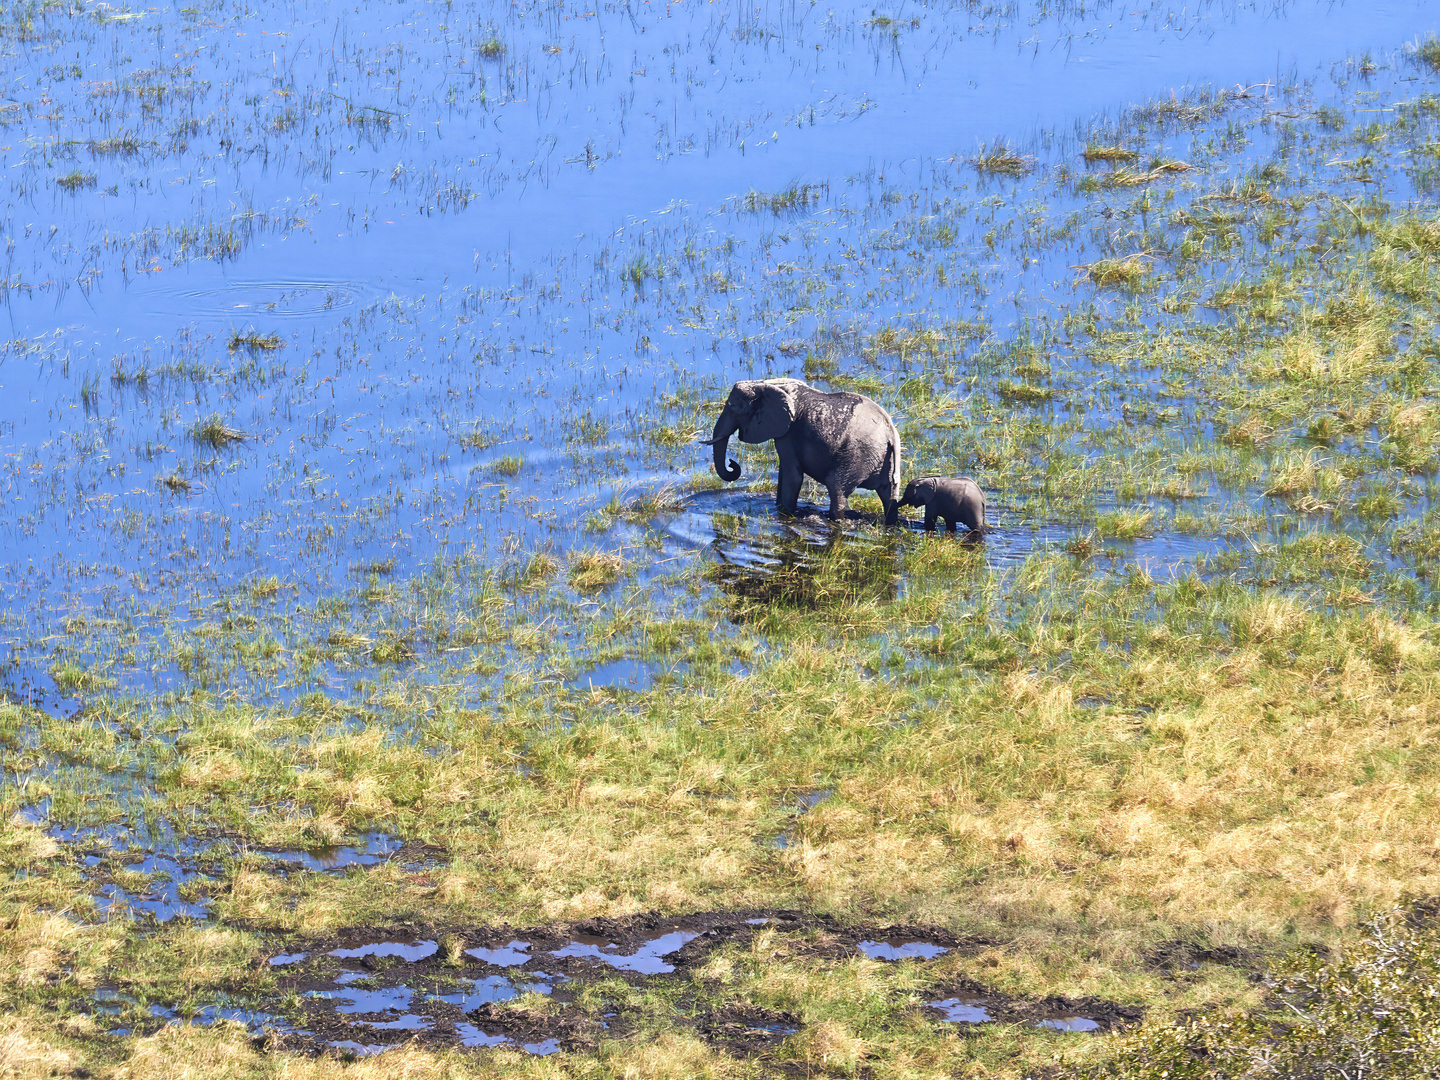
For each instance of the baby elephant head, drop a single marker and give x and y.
(918, 492)
(759, 410)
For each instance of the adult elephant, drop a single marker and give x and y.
(844, 441)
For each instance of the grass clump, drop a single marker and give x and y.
(212, 431)
(393, 649)
(509, 465)
(795, 197)
(592, 570)
(1130, 272)
(1002, 160)
(1100, 152)
(1124, 177)
(114, 144)
(1429, 52)
(74, 181)
(1129, 523)
(255, 342)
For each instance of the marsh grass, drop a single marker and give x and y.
(1129, 523)
(255, 342)
(797, 196)
(74, 181)
(212, 431)
(1000, 159)
(1102, 152)
(592, 570)
(1130, 272)
(1428, 51)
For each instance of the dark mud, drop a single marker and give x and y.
(969, 1005)
(1179, 956)
(747, 1030)
(372, 987)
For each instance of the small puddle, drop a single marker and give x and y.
(472, 1036)
(496, 988)
(256, 1022)
(360, 1049)
(624, 674)
(284, 958)
(377, 848)
(360, 1001)
(962, 1010)
(417, 950)
(646, 960)
(1070, 1023)
(181, 870)
(898, 948)
(509, 955)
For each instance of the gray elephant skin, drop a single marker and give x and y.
(844, 441)
(957, 499)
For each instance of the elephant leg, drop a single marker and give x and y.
(890, 500)
(787, 487)
(930, 516)
(951, 524)
(838, 503)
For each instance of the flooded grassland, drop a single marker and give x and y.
(389, 688)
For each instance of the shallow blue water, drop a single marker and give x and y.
(443, 261)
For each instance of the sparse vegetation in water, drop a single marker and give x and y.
(254, 341)
(74, 181)
(797, 196)
(999, 158)
(214, 432)
(1103, 152)
(1131, 271)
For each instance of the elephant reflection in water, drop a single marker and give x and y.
(796, 572)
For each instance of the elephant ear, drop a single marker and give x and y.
(774, 412)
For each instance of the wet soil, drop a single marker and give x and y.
(1179, 956)
(747, 1030)
(367, 988)
(981, 1006)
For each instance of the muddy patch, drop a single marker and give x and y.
(1179, 956)
(747, 1030)
(367, 989)
(969, 1005)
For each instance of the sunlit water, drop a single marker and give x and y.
(509, 232)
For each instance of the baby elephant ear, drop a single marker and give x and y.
(774, 412)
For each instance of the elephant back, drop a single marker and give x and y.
(830, 415)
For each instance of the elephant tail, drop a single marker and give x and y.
(892, 470)
(892, 455)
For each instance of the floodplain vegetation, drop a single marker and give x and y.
(1201, 786)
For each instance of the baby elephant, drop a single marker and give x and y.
(955, 498)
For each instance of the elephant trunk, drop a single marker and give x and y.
(725, 426)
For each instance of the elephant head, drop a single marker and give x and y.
(760, 410)
(918, 492)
